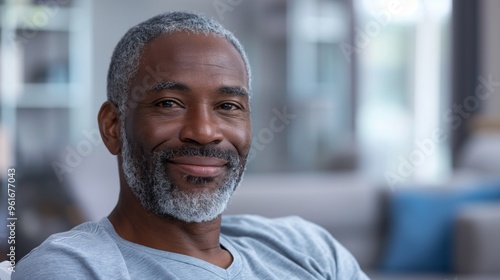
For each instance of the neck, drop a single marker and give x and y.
(135, 224)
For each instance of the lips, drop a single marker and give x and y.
(198, 166)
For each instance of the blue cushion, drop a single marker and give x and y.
(421, 226)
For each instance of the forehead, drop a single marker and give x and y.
(182, 53)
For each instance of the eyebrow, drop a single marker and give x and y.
(226, 90)
(233, 90)
(169, 85)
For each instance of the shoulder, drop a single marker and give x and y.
(290, 233)
(74, 254)
(295, 237)
(285, 228)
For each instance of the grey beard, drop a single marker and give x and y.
(158, 193)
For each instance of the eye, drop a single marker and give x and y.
(228, 106)
(167, 103)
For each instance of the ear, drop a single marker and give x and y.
(109, 127)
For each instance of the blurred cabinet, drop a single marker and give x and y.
(44, 76)
(45, 50)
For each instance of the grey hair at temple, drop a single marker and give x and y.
(126, 56)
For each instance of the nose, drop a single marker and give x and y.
(201, 127)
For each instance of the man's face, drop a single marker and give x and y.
(186, 139)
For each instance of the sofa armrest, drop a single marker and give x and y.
(477, 230)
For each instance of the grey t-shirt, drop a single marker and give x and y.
(282, 248)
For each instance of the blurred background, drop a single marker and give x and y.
(383, 114)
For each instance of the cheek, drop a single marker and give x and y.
(241, 137)
(161, 133)
(152, 132)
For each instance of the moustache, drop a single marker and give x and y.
(167, 154)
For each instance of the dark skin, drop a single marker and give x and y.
(200, 97)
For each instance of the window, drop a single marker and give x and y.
(368, 83)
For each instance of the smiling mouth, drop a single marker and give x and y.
(198, 166)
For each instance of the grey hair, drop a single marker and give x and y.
(126, 56)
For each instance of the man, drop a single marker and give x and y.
(178, 118)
